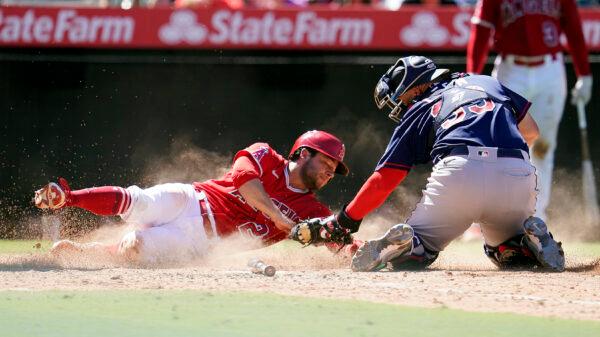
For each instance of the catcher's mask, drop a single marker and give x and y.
(405, 74)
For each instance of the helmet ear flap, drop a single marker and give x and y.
(382, 90)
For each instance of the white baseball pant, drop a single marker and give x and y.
(169, 222)
(545, 86)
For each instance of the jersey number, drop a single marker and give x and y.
(459, 114)
(253, 229)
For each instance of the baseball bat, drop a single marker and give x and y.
(259, 267)
(587, 170)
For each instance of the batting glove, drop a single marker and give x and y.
(582, 90)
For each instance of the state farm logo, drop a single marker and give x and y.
(65, 26)
(183, 27)
(226, 27)
(424, 29)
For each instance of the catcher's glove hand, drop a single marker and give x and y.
(320, 230)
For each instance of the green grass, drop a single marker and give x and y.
(196, 313)
(581, 249)
(24, 246)
(199, 313)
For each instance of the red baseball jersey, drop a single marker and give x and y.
(232, 213)
(526, 28)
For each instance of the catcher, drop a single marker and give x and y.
(476, 132)
(263, 196)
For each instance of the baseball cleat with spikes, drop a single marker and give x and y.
(375, 254)
(548, 252)
(53, 195)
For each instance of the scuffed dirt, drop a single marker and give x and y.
(457, 280)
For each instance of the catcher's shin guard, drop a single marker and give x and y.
(511, 254)
(375, 254)
(535, 248)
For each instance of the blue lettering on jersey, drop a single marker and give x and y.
(473, 110)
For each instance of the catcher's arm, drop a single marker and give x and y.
(529, 129)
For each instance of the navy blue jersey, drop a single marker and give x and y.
(473, 110)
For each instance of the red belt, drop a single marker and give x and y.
(530, 61)
(207, 218)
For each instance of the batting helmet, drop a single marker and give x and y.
(325, 143)
(405, 74)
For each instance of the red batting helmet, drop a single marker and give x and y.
(325, 143)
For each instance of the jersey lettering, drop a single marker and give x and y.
(286, 210)
(515, 9)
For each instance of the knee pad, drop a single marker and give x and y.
(511, 254)
(419, 258)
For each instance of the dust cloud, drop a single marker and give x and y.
(567, 214)
(185, 163)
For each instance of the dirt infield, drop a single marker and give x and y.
(473, 284)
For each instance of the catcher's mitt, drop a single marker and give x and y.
(320, 230)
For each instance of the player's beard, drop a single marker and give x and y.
(309, 176)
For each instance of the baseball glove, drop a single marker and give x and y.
(321, 230)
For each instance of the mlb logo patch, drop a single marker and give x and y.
(483, 153)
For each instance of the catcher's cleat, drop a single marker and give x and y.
(53, 195)
(547, 251)
(375, 254)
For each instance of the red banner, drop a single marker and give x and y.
(319, 28)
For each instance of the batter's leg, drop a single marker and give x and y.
(171, 243)
(547, 109)
(105, 200)
(160, 204)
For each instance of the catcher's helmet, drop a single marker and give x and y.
(405, 74)
(325, 143)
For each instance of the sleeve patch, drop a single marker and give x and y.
(260, 153)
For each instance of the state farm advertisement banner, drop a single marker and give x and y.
(412, 28)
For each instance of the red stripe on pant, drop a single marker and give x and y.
(206, 219)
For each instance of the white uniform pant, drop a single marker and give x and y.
(498, 193)
(168, 221)
(546, 87)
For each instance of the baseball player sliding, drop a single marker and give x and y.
(263, 195)
(530, 62)
(477, 132)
